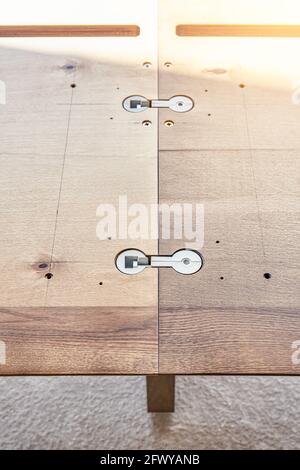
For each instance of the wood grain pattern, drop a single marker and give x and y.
(233, 320)
(79, 340)
(8, 31)
(236, 153)
(239, 30)
(226, 341)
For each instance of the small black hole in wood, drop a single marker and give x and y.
(73, 85)
(48, 275)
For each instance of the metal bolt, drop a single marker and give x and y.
(169, 123)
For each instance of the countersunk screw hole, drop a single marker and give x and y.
(146, 123)
(73, 85)
(217, 241)
(43, 265)
(221, 277)
(206, 91)
(100, 283)
(147, 65)
(48, 275)
(209, 114)
(111, 118)
(168, 64)
(267, 275)
(169, 123)
(242, 85)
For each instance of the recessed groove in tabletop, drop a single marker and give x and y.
(238, 30)
(68, 30)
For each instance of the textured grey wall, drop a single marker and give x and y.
(109, 413)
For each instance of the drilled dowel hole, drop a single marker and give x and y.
(267, 275)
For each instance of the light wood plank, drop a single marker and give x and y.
(227, 341)
(79, 340)
(161, 393)
(236, 153)
(229, 318)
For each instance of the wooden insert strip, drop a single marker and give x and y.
(68, 30)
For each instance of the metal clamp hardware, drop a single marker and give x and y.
(135, 261)
(178, 103)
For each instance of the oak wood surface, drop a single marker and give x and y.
(79, 340)
(238, 30)
(161, 393)
(66, 147)
(237, 154)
